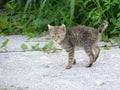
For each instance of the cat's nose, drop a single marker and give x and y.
(55, 39)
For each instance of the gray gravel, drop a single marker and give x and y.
(37, 70)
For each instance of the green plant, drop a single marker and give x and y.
(3, 24)
(30, 17)
(4, 44)
(49, 47)
(24, 47)
(36, 46)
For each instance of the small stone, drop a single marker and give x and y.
(46, 66)
(12, 86)
(100, 83)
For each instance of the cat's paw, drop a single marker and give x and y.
(68, 66)
(74, 61)
(88, 65)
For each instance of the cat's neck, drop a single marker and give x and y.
(65, 39)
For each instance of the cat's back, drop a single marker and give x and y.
(82, 31)
(81, 28)
(80, 34)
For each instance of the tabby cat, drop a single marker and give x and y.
(82, 36)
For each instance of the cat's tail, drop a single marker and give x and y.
(103, 26)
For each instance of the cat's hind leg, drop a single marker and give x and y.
(91, 56)
(74, 61)
(97, 52)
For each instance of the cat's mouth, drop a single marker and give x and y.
(58, 41)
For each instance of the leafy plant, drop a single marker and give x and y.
(30, 17)
(4, 44)
(107, 47)
(24, 46)
(118, 40)
(49, 47)
(3, 24)
(36, 46)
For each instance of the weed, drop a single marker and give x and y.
(4, 44)
(24, 47)
(30, 17)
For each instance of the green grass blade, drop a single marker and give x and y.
(28, 3)
(72, 7)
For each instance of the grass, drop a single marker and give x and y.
(30, 17)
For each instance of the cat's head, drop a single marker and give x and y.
(57, 32)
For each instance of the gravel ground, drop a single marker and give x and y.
(37, 70)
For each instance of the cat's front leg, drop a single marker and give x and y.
(71, 59)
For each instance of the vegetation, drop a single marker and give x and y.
(30, 17)
(4, 44)
(47, 48)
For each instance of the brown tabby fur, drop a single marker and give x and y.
(82, 36)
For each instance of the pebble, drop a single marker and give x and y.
(100, 83)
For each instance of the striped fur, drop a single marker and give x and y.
(82, 36)
(103, 26)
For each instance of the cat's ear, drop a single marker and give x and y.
(62, 27)
(50, 27)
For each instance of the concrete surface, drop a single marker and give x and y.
(37, 70)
